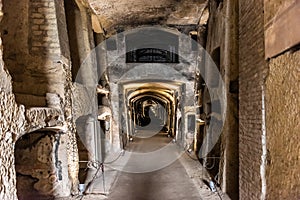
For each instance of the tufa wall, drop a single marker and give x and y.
(42, 81)
(282, 100)
(34, 61)
(282, 106)
(269, 99)
(8, 131)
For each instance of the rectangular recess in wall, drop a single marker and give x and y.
(152, 55)
(194, 42)
(191, 123)
(111, 44)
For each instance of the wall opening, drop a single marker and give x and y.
(191, 123)
(212, 75)
(150, 123)
(219, 3)
(75, 34)
(152, 46)
(152, 55)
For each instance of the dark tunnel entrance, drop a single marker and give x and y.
(150, 108)
(148, 111)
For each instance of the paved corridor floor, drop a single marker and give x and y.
(170, 183)
(180, 180)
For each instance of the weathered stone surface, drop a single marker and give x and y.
(33, 60)
(11, 123)
(283, 125)
(113, 14)
(8, 131)
(53, 100)
(187, 12)
(284, 25)
(81, 101)
(15, 122)
(40, 117)
(34, 76)
(31, 100)
(71, 147)
(46, 152)
(274, 8)
(222, 47)
(38, 74)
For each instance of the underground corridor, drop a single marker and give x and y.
(153, 124)
(152, 132)
(146, 119)
(149, 100)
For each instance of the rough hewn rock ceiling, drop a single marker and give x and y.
(115, 13)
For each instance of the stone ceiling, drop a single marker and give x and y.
(114, 14)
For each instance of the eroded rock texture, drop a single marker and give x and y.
(41, 165)
(15, 122)
(11, 124)
(283, 127)
(47, 107)
(7, 132)
(112, 13)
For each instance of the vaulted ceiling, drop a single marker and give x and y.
(114, 14)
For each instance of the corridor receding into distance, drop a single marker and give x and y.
(149, 100)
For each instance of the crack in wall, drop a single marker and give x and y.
(264, 149)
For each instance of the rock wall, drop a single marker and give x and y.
(16, 122)
(283, 125)
(139, 12)
(32, 50)
(8, 132)
(9, 129)
(41, 77)
(269, 99)
(282, 100)
(222, 47)
(41, 165)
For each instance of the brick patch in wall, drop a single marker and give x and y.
(251, 78)
(43, 28)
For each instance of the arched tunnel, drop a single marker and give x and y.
(146, 103)
(151, 106)
(147, 110)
